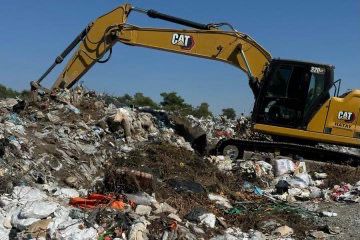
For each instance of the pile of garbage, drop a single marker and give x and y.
(72, 167)
(294, 182)
(287, 179)
(220, 127)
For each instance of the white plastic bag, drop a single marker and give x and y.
(283, 166)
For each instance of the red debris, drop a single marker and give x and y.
(96, 200)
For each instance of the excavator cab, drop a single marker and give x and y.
(292, 92)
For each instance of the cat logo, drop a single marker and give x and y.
(346, 116)
(184, 41)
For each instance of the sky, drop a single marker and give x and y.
(33, 33)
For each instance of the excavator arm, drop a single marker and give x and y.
(206, 41)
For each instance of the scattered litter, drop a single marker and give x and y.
(66, 193)
(220, 200)
(318, 234)
(38, 209)
(283, 231)
(143, 210)
(209, 219)
(320, 175)
(186, 186)
(96, 200)
(284, 166)
(138, 230)
(329, 214)
(175, 217)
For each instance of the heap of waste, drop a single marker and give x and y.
(72, 167)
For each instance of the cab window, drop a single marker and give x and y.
(285, 95)
(280, 81)
(316, 88)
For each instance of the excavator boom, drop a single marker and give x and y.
(207, 41)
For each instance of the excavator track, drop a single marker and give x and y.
(285, 148)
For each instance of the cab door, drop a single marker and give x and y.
(282, 99)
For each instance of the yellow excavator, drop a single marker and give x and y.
(293, 101)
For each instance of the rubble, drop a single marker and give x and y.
(283, 231)
(138, 230)
(164, 208)
(284, 166)
(318, 234)
(38, 209)
(220, 200)
(209, 219)
(76, 168)
(143, 210)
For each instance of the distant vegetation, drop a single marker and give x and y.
(229, 113)
(171, 101)
(10, 93)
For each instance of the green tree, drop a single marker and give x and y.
(126, 99)
(229, 113)
(173, 102)
(142, 101)
(202, 111)
(120, 101)
(10, 93)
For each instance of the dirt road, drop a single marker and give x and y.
(348, 219)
